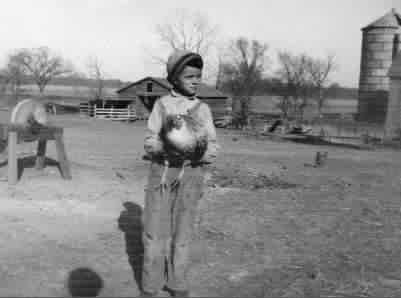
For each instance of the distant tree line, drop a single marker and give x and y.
(239, 66)
(83, 80)
(242, 64)
(41, 65)
(274, 86)
(72, 80)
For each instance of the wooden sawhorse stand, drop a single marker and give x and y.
(18, 133)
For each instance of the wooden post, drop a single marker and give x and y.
(62, 155)
(41, 154)
(12, 158)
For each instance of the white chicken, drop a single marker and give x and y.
(185, 140)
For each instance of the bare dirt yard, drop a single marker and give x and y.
(269, 224)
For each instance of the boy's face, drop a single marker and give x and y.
(189, 79)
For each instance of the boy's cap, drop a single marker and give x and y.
(178, 60)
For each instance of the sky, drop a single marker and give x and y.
(121, 33)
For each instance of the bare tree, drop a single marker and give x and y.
(187, 30)
(219, 74)
(97, 74)
(285, 105)
(293, 72)
(43, 65)
(245, 65)
(242, 72)
(14, 74)
(319, 71)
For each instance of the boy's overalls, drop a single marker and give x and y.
(168, 224)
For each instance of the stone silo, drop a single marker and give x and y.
(393, 117)
(380, 43)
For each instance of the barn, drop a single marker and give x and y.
(145, 92)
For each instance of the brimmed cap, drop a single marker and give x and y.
(178, 60)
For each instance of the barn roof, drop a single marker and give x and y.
(390, 20)
(205, 91)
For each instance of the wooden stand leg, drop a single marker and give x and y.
(12, 158)
(41, 154)
(62, 156)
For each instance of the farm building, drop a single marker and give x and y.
(136, 100)
(381, 43)
(146, 91)
(393, 117)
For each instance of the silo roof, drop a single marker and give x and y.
(392, 19)
(395, 69)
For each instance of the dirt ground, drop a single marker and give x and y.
(270, 225)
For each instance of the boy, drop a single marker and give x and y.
(169, 213)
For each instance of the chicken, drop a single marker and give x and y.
(184, 140)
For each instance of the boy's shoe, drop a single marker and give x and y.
(157, 294)
(148, 295)
(180, 293)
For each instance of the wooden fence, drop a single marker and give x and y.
(114, 114)
(85, 109)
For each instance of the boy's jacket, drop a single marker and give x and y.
(176, 104)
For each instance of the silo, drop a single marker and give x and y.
(393, 116)
(380, 43)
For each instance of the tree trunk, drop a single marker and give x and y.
(245, 110)
(320, 103)
(16, 92)
(41, 90)
(320, 108)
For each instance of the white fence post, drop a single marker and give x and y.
(112, 113)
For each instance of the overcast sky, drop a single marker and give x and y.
(118, 32)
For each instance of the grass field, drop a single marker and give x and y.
(267, 220)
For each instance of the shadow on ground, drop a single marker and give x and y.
(84, 282)
(130, 223)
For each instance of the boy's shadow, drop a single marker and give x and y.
(130, 223)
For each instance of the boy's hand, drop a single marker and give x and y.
(208, 157)
(153, 146)
(174, 156)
